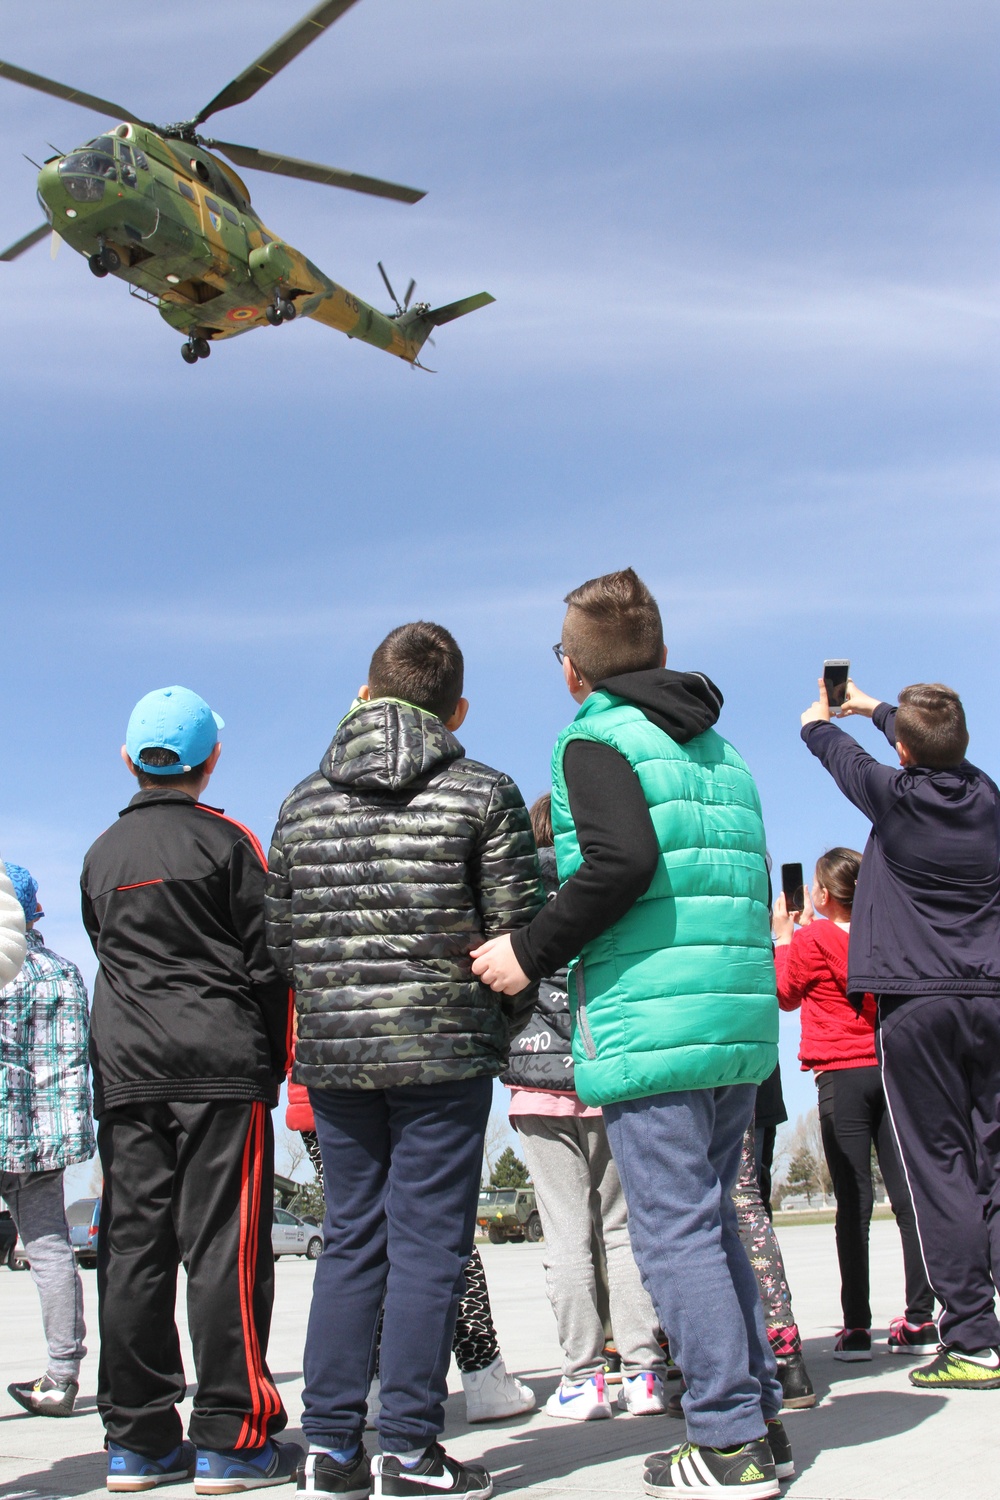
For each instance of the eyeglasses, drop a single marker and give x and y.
(559, 652)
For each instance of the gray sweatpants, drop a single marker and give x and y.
(578, 1192)
(35, 1200)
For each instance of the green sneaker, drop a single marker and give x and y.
(959, 1371)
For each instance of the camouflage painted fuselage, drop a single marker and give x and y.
(181, 223)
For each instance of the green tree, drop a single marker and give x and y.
(509, 1171)
(804, 1174)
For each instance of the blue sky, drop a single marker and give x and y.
(745, 339)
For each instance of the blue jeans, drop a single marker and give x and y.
(678, 1157)
(402, 1169)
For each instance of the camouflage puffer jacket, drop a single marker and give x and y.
(387, 866)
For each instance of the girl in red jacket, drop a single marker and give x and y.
(838, 1045)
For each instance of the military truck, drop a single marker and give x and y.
(509, 1214)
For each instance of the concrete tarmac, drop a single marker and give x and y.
(871, 1437)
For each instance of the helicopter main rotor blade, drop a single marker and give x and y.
(278, 56)
(388, 286)
(72, 96)
(34, 238)
(311, 171)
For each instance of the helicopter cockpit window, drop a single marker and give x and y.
(128, 171)
(186, 190)
(85, 172)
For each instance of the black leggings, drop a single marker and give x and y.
(853, 1118)
(475, 1344)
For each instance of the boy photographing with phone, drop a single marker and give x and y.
(925, 940)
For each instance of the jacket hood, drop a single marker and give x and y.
(682, 704)
(388, 745)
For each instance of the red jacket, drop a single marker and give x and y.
(812, 972)
(298, 1115)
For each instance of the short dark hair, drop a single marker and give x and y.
(159, 755)
(837, 872)
(540, 813)
(930, 723)
(421, 664)
(612, 625)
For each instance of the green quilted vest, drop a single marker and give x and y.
(680, 993)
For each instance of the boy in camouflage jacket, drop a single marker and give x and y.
(387, 866)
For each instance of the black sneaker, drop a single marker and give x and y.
(693, 1471)
(797, 1388)
(45, 1397)
(914, 1339)
(853, 1344)
(955, 1370)
(781, 1449)
(435, 1474)
(321, 1474)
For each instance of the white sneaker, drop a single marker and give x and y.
(580, 1400)
(643, 1395)
(493, 1393)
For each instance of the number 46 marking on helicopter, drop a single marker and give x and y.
(154, 206)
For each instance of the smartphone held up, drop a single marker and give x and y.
(793, 887)
(835, 675)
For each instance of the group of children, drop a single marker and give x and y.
(403, 921)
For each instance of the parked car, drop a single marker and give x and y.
(509, 1214)
(291, 1235)
(83, 1218)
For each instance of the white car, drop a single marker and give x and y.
(293, 1236)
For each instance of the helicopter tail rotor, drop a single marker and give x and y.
(404, 306)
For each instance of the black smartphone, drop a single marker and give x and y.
(835, 675)
(793, 886)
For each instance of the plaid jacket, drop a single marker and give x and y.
(45, 1113)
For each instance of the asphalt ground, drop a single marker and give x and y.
(871, 1437)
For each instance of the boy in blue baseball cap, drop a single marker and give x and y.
(189, 1043)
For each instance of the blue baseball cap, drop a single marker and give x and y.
(26, 890)
(175, 719)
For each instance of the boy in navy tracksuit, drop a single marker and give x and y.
(925, 939)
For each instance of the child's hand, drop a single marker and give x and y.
(857, 702)
(493, 963)
(818, 712)
(782, 922)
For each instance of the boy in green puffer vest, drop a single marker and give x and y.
(664, 897)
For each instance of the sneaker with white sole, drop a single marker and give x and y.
(953, 1369)
(435, 1474)
(580, 1400)
(781, 1448)
(853, 1344)
(129, 1472)
(690, 1471)
(643, 1395)
(45, 1397)
(916, 1339)
(229, 1473)
(493, 1394)
(322, 1474)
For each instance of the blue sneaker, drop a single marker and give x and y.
(246, 1468)
(128, 1471)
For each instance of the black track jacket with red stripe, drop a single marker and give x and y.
(187, 1004)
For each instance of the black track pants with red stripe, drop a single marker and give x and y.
(189, 1183)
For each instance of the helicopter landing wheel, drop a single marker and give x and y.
(287, 310)
(189, 354)
(273, 314)
(97, 265)
(202, 348)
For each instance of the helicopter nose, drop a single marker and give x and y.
(50, 195)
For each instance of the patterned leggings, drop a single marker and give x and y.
(475, 1344)
(761, 1245)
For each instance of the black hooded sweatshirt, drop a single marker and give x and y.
(617, 839)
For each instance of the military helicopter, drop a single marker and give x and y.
(152, 205)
